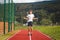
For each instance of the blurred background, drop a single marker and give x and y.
(47, 12)
(12, 13)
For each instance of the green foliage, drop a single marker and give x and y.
(42, 10)
(1, 11)
(43, 13)
(46, 21)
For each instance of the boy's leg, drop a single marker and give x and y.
(30, 30)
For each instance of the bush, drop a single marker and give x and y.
(45, 22)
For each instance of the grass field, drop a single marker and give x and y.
(52, 31)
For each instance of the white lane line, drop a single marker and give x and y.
(30, 37)
(13, 35)
(45, 35)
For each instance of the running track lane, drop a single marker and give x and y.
(23, 35)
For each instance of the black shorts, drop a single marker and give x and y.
(30, 23)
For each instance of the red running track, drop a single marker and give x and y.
(23, 35)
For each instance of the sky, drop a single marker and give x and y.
(28, 1)
(24, 1)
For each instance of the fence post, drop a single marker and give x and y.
(4, 14)
(9, 16)
(14, 14)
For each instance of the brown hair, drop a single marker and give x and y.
(30, 10)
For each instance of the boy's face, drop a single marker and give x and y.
(30, 12)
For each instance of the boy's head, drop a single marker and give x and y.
(30, 12)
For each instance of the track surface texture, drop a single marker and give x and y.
(23, 35)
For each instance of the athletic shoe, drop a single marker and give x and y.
(29, 34)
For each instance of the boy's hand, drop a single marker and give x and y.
(35, 19)
(25, 18)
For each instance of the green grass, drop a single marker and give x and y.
(52, 31)
(4, 37)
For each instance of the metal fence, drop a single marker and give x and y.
(6, 16)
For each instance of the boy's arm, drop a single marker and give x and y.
(35, 18)
(25, 18)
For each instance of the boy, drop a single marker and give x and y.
(30, 18)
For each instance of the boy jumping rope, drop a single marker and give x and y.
(30, 18)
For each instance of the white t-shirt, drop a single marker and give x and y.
(30, 17)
